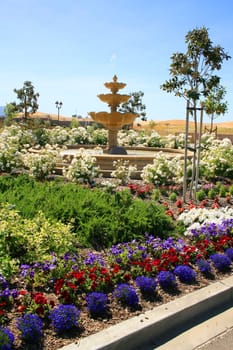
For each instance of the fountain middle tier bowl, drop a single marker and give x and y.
(113, 100)
(113, 120)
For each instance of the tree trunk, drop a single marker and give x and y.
(194, 152)
(186, 152)
(212, 123)
(198, 154)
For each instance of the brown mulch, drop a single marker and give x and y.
(117, 313)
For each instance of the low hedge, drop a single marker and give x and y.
(98, 218)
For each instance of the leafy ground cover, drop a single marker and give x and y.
(69, 295)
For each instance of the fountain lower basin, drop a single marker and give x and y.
(139, 156)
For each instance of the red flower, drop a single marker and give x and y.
(79, 276)
(93, 276)
(104, 271)
(107, 279)
(21, 308)
(52, 303)
(148, 267)
(155, 262)
(71, 285)
(66, 296)
(127, 277)
(40, 310)
(39, 298)
(215, 205)
(179, 203)
(58, 285)
(191, 205)
(23, 292)
(116, 269)
(170, 213)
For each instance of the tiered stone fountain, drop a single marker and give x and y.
(114, 120)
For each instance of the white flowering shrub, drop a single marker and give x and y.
(42, 163)
(82, 169)
(168, 141)
(180, 140)
(17, 137)
(79, 136)
(217, 160)
(99, 137)
(163, 171)
(154, 140)
(132, 138)
(59, 136)
(123, 171)
(10, 158)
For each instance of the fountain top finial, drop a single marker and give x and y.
(115, 78)
(114, 85)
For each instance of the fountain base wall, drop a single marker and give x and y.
(139, 156)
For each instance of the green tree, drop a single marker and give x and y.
(10, 114)
(193, 78)
(215, 105)
(28, 99)
(134, 105)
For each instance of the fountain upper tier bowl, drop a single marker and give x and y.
(114, 86)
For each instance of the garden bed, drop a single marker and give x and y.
(116, 312)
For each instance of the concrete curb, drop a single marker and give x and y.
(141, 330)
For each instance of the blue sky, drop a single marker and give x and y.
(68, 49)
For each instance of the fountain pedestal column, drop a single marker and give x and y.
(112, 138)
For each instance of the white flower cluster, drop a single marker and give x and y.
(82, 169)
(79, 136)
(163, 170)
(131, 138)
(217, 159)
(99, 137)
(123, 171)
(10, 158)
(154, 140)
(42, 163)
(196, 217)
(58, 136)
(10, 149)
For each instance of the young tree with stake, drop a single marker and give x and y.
(193, 78)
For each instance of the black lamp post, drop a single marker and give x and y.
(58, 106)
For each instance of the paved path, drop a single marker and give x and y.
(222, 342)
(215, 333)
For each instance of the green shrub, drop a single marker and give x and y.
(222, 191)
(28, 240)
(212, 193)
(97, 218)
(173, 196)
(200, 195)
(231, 190)
(156, 194)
